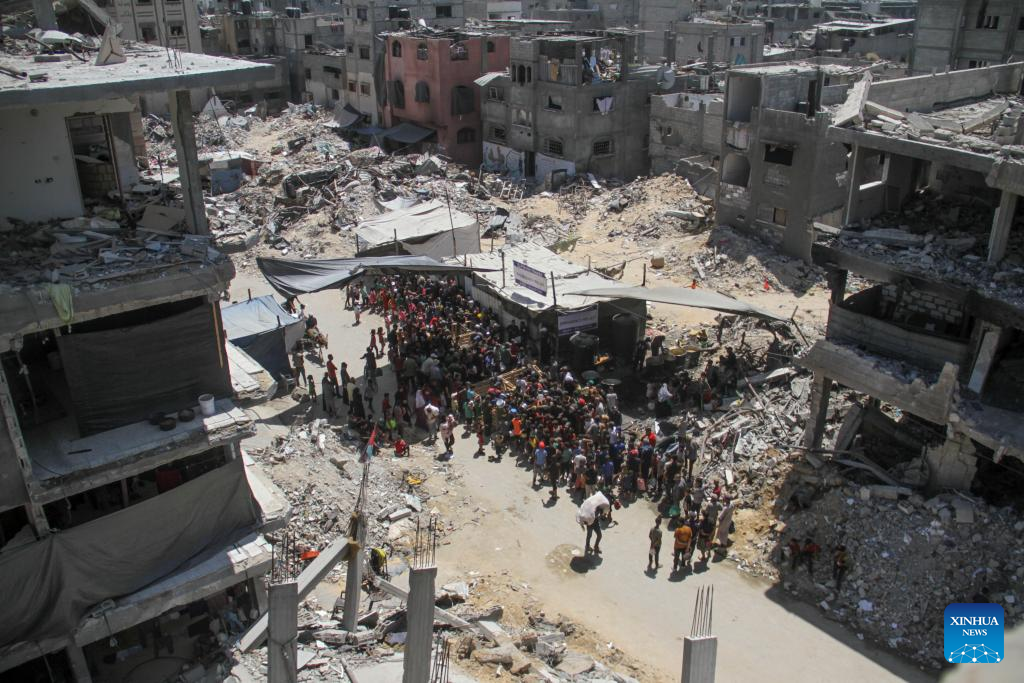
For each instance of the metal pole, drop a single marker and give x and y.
(396, 241)
(644, 283)
(502, 252)
(451, 221)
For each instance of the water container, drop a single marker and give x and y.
(206, 405)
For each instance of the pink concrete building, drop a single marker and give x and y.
(429, 80)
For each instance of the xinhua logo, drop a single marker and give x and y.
(973, 633)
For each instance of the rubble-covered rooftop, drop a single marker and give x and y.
(941, 238)
(984, 126)
(43, 79)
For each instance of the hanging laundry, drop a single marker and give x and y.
(604, 104)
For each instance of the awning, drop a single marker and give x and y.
(293, 277)
(486, 79)
(408, 133)
(346, 116)
(684, 296)
(370, 131)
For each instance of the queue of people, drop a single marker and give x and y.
(446, 353)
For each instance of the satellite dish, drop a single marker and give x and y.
(666, 78)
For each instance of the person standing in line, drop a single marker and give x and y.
(682, 539)
(431, 413)
(654, 554)
(540, 456)
(332, 375)
(311, 386)
(327, 395)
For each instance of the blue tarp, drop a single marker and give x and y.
(264, 330)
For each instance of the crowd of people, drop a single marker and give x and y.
(456, 365)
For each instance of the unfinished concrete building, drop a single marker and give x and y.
(966, 34)
(130, 521)
(170, 23)
(935, 340)
(686, 129)
(729, 42)
(779, 173)
(570, 104)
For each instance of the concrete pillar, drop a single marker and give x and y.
(1002, 222)
(699, 655)
(46, 18)
(951, 465)
(282, 643)
(986, 356)
(419, 640)
(821, 388)
(855, 178)
(354, 576)
(79, 665)
(188, 161)
(837, 284)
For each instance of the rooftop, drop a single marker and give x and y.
(972, 126)
(51, 79)
(851, 26)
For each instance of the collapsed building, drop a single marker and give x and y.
(131, 523)
(931, 227)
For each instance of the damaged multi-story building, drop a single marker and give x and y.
(430, 77)
(926, 319)
(130, 520)
(571, 104)
(966, 34)
(366, 20)
(779, 172)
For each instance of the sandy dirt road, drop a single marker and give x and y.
(509, 527)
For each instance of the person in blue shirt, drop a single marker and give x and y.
(540, 457)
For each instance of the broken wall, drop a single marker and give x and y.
(923, 93)
(43, 182)
(684, 125)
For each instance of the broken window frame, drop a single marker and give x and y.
(495, 94)
(457, 52)
(364, 52)
(398, 94)
(465, 136)
(781, 155)
(396, 49)
(554, 147)
(490, 46)
(364, 88)
(442, 11)
(499, 133)
(422, 53)
(554, 103)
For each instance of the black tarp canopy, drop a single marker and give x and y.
(292, 277)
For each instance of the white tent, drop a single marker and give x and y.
(426, 229)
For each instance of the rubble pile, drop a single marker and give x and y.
(909, 558)
(542, 648)
(986, 127)
(929, 238)
(317, 467)
(142, 237)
